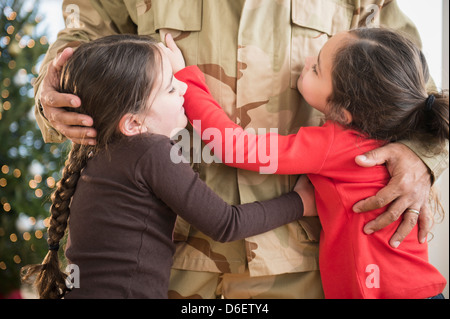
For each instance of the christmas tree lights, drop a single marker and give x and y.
(29, 168)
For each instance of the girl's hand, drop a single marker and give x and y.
(306, 191)
(173, 53)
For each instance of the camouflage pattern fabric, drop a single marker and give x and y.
(252, 53)
(209, 285)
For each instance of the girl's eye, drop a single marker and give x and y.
(314, 68)
(172, 90)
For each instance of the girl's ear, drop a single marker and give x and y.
(130, 125)
(347, 116)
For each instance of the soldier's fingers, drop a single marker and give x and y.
(60, 117)
(84, 141)
(426, 222)
(408, 223)
(52, 78)
(52, 98)
(394, 211)
(78, 134)
(62, 58)
(385, 196)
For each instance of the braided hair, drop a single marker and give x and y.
(50, 280)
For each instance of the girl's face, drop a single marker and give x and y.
(315, 83)
(166, 113)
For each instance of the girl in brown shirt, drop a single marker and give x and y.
(124, 193)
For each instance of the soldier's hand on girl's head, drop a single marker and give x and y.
(75, 126)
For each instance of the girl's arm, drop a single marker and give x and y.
(177, 185)
(269, 153)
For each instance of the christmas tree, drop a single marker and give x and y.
(29, 168)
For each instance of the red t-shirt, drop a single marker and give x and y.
(352, 264)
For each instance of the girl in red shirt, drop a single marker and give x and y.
(371, 84)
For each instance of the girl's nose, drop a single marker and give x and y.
(182, 87)
(309, 61)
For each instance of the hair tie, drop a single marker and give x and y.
(54, 247)
(429, 102)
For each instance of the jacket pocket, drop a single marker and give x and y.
(313, 23)
(154, 15)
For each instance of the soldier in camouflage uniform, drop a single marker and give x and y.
(252, 53)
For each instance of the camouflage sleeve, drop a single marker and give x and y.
(391, 16)
(85, 21)
(436, 164)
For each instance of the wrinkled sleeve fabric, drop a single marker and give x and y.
(177, 185)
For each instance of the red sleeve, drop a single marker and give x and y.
(269, 153)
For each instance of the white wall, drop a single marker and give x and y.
(432, 21)
(53, 21)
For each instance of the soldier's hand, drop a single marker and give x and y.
(76, 127)
(305, 189)
(408, 188)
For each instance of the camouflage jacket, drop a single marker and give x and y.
(252, 53)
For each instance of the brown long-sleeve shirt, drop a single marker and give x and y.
(123, 214)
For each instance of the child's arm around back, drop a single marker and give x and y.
(180, 188)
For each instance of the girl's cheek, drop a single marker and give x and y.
(302, 83)
(300, 80)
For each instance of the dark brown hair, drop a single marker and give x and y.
(112, 76)
(381, 78)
